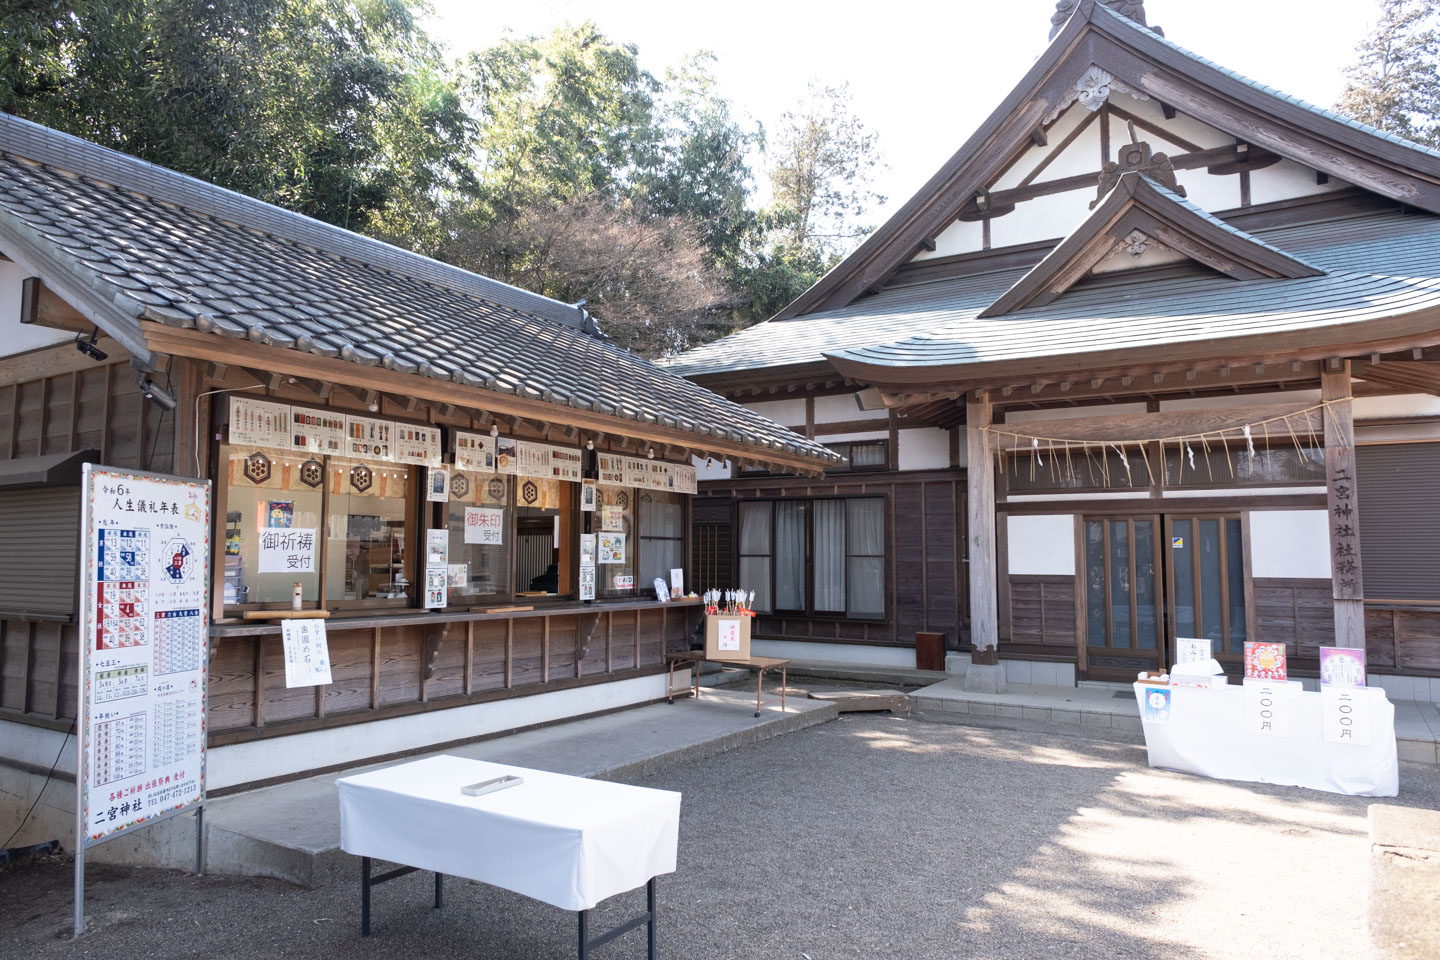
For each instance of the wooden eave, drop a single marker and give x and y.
(1137, 204)
(363, 379)
(1094, 35)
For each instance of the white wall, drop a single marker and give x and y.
(1290, 543)
(839, 409)
(927, 449)
(854, 654)
(708, 469)
(787, 413)
(19, 337)
(1041, 545)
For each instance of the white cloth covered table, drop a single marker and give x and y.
(567, 841)
(1208, 733)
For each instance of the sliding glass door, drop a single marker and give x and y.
(1124, 626)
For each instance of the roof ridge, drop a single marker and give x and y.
(65, 152)
(1273, 91)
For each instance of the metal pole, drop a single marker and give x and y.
(79, 883)
(364, 896)
(200, 841)
(584, 935)
(439, 890)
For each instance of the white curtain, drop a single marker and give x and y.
(790, 555)
(867, 557)
(830, 556)
(756, 549)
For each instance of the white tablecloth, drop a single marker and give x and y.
(567, 841)
(1207, 733)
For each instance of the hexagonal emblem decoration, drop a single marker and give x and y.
(312, 473)
(497, 490)
(257, 468)
(529, 492)
(361, 478)
(622, 499)
(459, 486)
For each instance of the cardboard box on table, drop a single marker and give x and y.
(727, 637)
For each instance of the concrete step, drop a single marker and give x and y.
(896, 676)
(292, 831)
(865, 701)
(1090, 711)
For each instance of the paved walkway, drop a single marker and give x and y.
(292, 831)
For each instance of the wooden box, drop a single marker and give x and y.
(727, 638)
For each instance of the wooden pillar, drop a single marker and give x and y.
(1347, 581)
(984, 672)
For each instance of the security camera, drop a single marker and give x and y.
(88, 347)
(155, 393)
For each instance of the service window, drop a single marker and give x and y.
(614, 527)
(662, 537)
(271, 499)
(544, 526)
(481, 521)
(368, 560)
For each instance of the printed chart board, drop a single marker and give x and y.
(144, 626)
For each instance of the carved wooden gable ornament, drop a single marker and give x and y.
(1140, 222)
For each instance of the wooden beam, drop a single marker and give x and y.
(980, 477)
(1342, 501)
(1129, 428)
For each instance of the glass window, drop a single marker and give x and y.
(841, 543)
(544, 515)
(861, 455)
(614, 518)
(480, 571)
(268, 489)
(367, 519)
(1277, 461)
(662, 536)
(790, 555)
(866, 557)
(756, 540)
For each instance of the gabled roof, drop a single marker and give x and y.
(1393, 256)
(128, 243)
(1286, 126)
(1136, 212)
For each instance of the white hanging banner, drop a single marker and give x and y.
(474, 453)
(259, 423)
(144, 644)
(307, 652)
(419, 445)
(369, 438)
(316, 432)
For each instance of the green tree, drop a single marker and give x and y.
(332, 108)
(1395, 82)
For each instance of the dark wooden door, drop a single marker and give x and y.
(1124, 628)
(1206, 581)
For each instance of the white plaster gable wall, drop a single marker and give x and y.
(1290, 543)
(1241, 400)
(1041, 545)
(1055, 216)
(787, 413)
(843, 407)
(924, 449)
(19, 337)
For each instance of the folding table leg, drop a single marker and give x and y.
(439, 890)
(759, 688)
(364, 896)
(783, 684)
(650, 898)
(584, 934)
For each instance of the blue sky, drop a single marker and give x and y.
(923, 74)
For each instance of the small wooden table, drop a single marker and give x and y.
(758, 664)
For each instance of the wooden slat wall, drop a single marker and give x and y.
(1042, 612)
(1296, 612)
(925, 534)
(419, 663)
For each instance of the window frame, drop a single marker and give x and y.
(849, 446)
(809, 610)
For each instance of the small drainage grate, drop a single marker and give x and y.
(1123, 695)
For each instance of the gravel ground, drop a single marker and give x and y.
(870, 837)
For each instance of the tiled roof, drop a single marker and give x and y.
(161, 246)
(1378, 265)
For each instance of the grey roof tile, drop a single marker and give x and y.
(192, 269)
